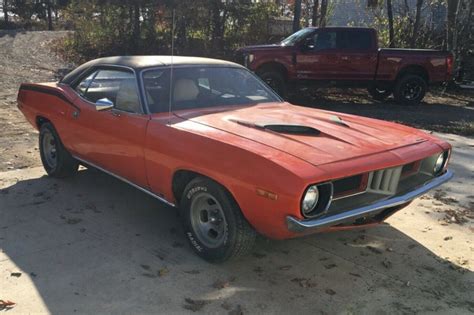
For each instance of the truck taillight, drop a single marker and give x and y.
(449, 66)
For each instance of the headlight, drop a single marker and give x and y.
(251, 57)
(440, 162)
(310, 200)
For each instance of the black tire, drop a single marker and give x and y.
(237, 237)
(275, 80)
(59, 163)
(410, 89)
(379, 94)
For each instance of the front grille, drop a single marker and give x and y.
(385, 181)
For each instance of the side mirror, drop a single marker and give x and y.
(308, 43)
(103, 104)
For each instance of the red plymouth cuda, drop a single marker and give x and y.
(211, 139)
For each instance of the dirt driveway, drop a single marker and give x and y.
(92, 244)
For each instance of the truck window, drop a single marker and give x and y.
(354, 40)
(324, 40)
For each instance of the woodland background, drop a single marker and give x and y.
(216, 28)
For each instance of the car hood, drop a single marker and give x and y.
(315, 136)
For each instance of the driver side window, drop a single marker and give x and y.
(324, 40)
(119, 87)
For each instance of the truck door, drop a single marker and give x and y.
(318, 58)
(358, 54)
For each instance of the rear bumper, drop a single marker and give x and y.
(315, 225)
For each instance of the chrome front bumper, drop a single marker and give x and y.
(313, 225)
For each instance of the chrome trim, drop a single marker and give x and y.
(296, 225)
(126, 181)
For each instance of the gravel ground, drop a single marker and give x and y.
(92, 244)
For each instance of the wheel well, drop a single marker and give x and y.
(414, 69)
(180, 179)
(40, 121)
(273, 66)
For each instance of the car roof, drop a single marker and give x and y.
(141, 62)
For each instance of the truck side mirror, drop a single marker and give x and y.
(308, 43)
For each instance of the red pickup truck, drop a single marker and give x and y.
(350, 57)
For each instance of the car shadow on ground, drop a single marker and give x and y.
(93, 244)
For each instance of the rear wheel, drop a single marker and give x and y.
(213, 222)
(410, 89)
(379, 94)
(275, 80)
(57, 161)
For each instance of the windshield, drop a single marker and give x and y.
(203, 86)
(296, 37)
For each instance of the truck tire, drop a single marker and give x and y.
(213, 222)
(275, 80)
(410, 89)
(378, 94)
(57, 161)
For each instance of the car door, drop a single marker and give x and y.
(318, 58)
(358, 54)
(109, 131)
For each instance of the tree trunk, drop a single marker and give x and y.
(5, 11)
(390, 24)
(324, 10)
(297, 15)
(416, 25)
(451, 23)
(136, 21)
(314, 19)
(50, 16)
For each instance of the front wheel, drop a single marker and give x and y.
(213, 222)
(57, 161)
(410, 89)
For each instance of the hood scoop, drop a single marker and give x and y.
(281, 128)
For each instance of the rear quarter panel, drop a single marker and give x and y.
(50, 101)
(392, 61)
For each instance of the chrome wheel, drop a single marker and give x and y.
(49, 149)
(411, 90)
(208, 220)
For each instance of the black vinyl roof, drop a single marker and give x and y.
(141, 62)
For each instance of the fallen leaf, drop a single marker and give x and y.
(15, 274)
(6, 305)
(448, 238)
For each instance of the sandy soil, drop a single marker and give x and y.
(92, 244)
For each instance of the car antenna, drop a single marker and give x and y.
(171, 67)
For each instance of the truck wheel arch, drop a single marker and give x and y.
(273, 66)
(413, 69)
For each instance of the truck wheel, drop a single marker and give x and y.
(379, 94)
(410, 89)
(275, 80)
(57, 161)
(213, 222)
